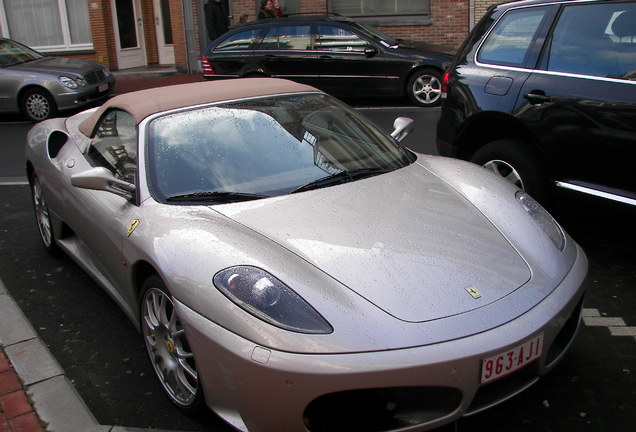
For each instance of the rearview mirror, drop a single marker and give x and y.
(101, 179)
(402, 127)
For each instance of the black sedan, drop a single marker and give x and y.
(339, 55)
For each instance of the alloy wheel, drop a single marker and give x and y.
(42, 214)
(506, 171)
(427, 89)
(168, 348)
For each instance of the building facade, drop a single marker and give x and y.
(125, 34)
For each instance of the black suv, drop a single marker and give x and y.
(544, 94)
(338, 55)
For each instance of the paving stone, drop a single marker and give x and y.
(15, 404)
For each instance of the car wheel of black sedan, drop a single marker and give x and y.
(168, 347)
(42, 216)
(515, 162)
(37, 105)
(424, 88)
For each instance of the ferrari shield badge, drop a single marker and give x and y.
(473, 292)
(132, 227)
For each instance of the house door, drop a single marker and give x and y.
(129, 35)
(163, 29)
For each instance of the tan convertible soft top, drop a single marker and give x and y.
(141, 104)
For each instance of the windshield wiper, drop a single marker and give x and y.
(341, 177)
(217, 196)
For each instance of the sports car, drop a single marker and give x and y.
(295, 268)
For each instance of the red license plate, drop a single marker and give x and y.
(507, 362)
(102, 88)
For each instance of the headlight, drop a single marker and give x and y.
(267, 298)
(542, 218)
(70, 82)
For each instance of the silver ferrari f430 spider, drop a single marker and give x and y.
(294, 268)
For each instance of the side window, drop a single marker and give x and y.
(332, 38)
(239, 41)
(509, 43)
(287, 38)
(115, 145)
(596, 40)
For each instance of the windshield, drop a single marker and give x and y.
(375, 33)
(13, 53)
(265, 147)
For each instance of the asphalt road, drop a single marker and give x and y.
(593, 389)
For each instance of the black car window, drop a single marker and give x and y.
(287, 37)
(510, 42)
(332, 38)
(115, 145)
(239, 41)
(596, 40)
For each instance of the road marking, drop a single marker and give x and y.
(616, 325)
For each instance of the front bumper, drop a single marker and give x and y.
(413, 389)
(69, 99)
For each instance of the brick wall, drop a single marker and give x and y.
(449, 17)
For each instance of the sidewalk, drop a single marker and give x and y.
(35, 394)
(143, 78)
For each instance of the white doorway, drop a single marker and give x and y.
(129, 35)
(163, 29)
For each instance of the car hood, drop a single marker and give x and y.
(427, 47)
(57, 65)
(405, 241)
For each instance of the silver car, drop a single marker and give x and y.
(40, 86)
(294, 268)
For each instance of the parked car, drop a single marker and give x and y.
(40, 86)
(295, 268)
(341, 56)
(544, 94)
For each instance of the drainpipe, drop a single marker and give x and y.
(192, 50)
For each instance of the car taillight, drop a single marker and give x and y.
(445, 84)
(207, 67)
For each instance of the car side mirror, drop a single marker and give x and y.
(101, 179)
(402, 127)
(370, 51)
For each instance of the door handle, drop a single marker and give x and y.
(537, 98)
(325, 57)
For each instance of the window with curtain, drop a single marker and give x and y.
(378, 8)
(47, 25)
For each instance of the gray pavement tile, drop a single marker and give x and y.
(14, 326)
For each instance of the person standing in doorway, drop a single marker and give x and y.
(216, 18)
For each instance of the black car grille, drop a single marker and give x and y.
(95, 76)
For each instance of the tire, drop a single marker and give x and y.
(42, 216)
(514, 161)
(37, 105)
(424, 88)
(168, 348)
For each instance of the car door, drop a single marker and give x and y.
(509, 53)
(234, 56)
(350, 64)
(582, 100)
(100, 219)
(286, 52)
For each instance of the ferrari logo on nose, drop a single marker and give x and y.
(473, 292)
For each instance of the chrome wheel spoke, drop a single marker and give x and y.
(506, 171)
